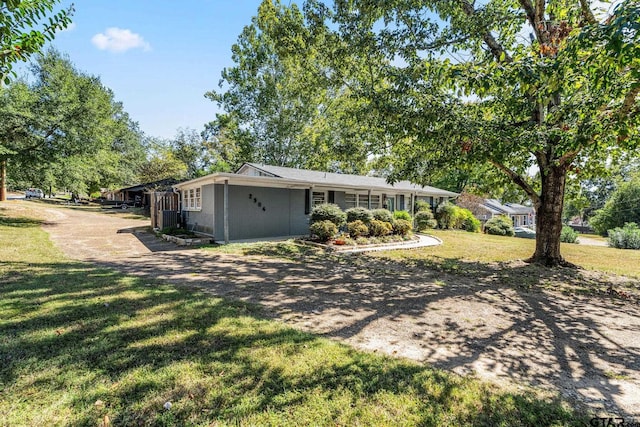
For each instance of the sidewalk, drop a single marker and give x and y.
(423, 241)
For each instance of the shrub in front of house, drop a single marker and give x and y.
(382, 215)
(500, 226)
(568, 235)
(402, 227)
(324, 230)
(627, 237)
(359, 214)
(402, 215)
(424, 220)
(448, 216)
(379, 228)
(328, 212)
(469, 222)
(420, 206)
(357, 229)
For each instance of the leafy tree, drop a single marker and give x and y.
(460, 84)
(65, 129)
(20, 36)
(586, 195)
(622, 207)
(189, 147)
(279, 107)
(161, 162)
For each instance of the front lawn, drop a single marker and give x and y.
(485, 248)
(81, 345)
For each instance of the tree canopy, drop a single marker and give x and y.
(64, 129)
(279, 106)
(24, 29)
(550, 85)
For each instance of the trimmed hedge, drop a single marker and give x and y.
(568, 235)
(380, 228)
(328, 212)
(402, 227)
(424, 220)
(627, 237)
(357, 229)
(402, 215)
(382, 215)
(500, 226)
(359, 214)
(324, 230)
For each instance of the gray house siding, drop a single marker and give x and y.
(339, 199)
(256, 212)
(202, 220)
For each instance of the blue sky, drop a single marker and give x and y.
(158, 56)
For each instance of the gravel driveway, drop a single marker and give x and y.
(518, 324)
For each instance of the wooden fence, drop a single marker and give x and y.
(164, 210)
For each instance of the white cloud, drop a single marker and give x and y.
(119, 40)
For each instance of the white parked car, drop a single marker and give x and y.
(34, 193)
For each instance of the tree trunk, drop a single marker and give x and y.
(549, 218)
(3, 180)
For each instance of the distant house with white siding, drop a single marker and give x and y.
(522, 216)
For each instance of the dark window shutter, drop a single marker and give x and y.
(332, 196)
(307, 202)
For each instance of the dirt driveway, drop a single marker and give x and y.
(513, 325)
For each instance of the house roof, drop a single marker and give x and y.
(277, 176)
(341, 180)
(507, 208)
(163, 183)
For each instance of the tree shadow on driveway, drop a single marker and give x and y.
(556, 328)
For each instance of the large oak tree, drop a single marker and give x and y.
(526, 86)
(64, 128)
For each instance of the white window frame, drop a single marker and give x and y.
(192, 199)
(318, 201)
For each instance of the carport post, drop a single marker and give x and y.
(226, 211)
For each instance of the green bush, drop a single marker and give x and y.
(382, 215)
(568, 235)
(448, 216)
(499, 226)
(380, 228)
(424, 220)
(402, 215)
(627, 237)
(328, 212)
(323, 230)
(357, 229)
(361, 214)
(420, 206)
(621, 208)
(469, 222)
(402, 227)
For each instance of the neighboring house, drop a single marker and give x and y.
(139, 194)
(270, 201)
(522, 216)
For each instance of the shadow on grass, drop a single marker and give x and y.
(19, 222)
(78, 343)
(559, 328)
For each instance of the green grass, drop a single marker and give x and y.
(460, 246)
(80, 343)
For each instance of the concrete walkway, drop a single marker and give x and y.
(423, 241)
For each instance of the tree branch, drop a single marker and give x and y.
(520, 181)
(629, 101)
(587, 13)
(496, 49)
